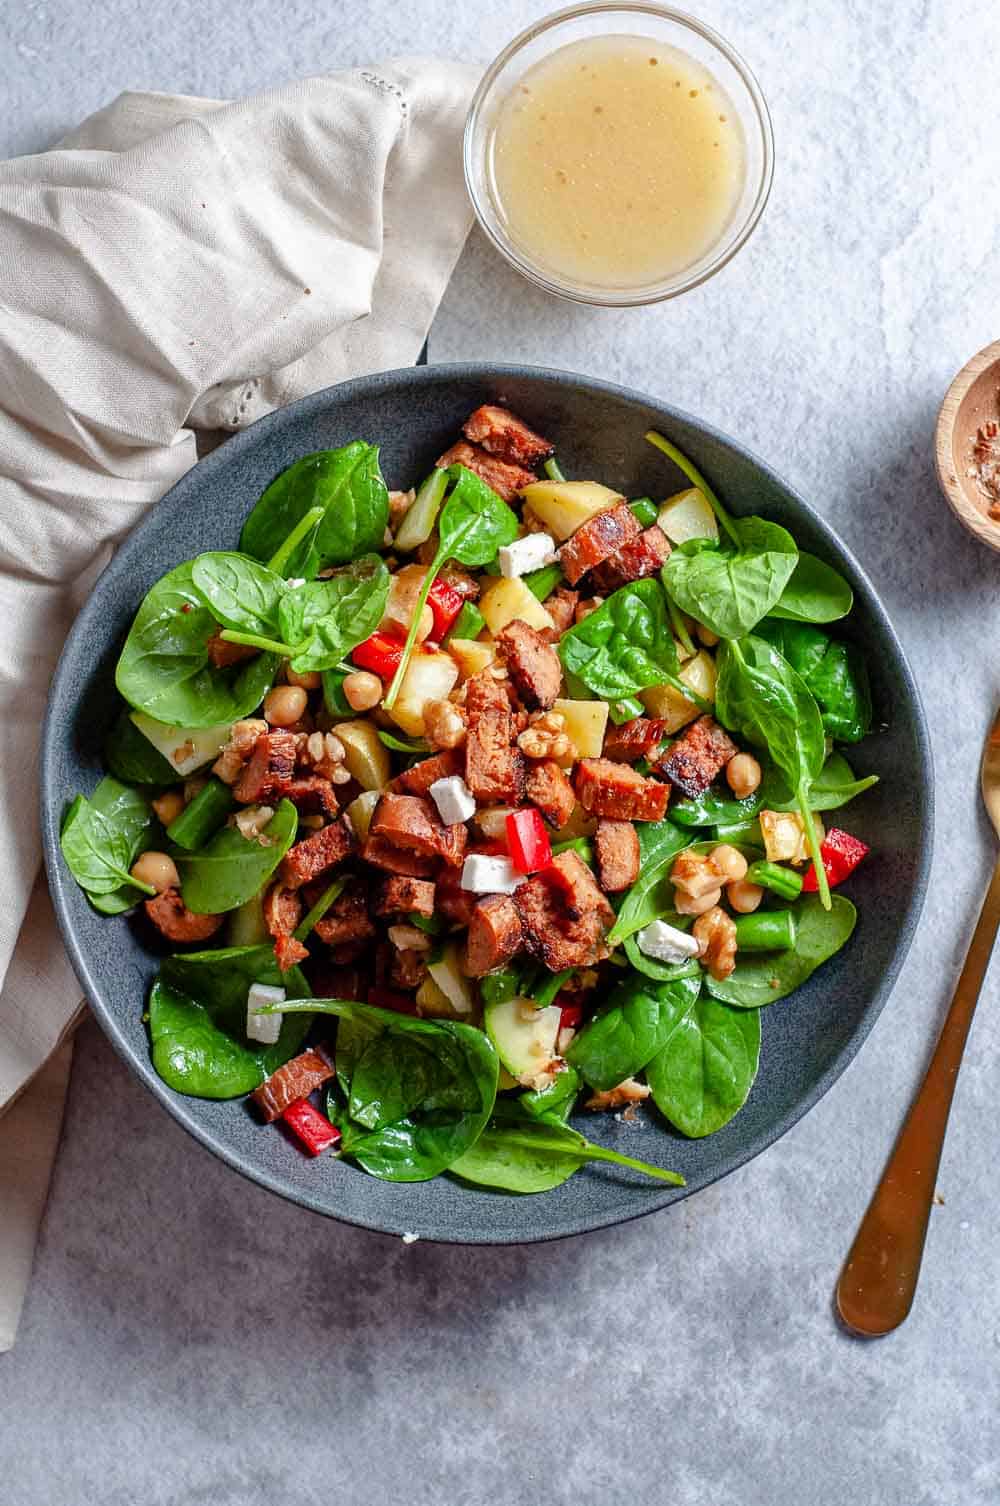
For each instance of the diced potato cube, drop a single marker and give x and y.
(434, 1003)
(506, 601)
(676, 710)
(185, 749)
(366, 756)
(361, 810)
(688, 515)
(580, 824)
(471, 655)
(403, 592)
(564, 505)
(784, 835)
(429, 677)
(452, 983)
(585, 725)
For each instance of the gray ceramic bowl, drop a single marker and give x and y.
(414, 414)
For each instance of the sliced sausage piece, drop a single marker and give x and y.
(310, 793)
(272, 765)
(633, 740)
(616, 844)
(501, 433)
(400, 895)
(418, 779)
(616, 790)
(561, 607)
(347, 919)
(564, 916)
(296, 1079)
(505, 479)
(288, 952)
(224, 655)
(308, 859)
(451, 901)
(484, 693)
(635, 560)
(412, 821)
(282, 910)
(384, 854)
(597, 539)
(494, 935)
(172, 918)
(548, 787)
(532, 664)
(698, 756)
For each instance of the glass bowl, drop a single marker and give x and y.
(662, 24)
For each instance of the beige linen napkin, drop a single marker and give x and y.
(176, 264)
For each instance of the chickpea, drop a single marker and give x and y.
(362, 691)
(728, 863)
(743, 896)
(705, 635)
(685, 904)
(169, 806)
(157, 869)
(743, 775)
(284, 705)
(311, 680)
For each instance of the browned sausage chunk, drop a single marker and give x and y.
(494, 935)
(308, 859)
(633, 740)
(418, 779)
(548, 787)
(561, 607)
(451, 901)
(399, 895)
(347, 919)
(616, 844)
(224, 655)
(172, 918)
(500, 432)
(698, 756)
(532, 664)
(272, 765)
(282, 910)
(311, 793)
(288, 952)
(505, 479)
(384, 854)
(411, 821)
(617, 791)
(564, 916)
(635, 560)
(296, 1079)
(596, 540)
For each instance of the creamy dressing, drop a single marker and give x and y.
(617, 162)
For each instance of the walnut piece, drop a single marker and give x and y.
(715, 933)
(544, 737)
(626, 1093)
(444, 724)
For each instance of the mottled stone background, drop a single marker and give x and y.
(190, 1339)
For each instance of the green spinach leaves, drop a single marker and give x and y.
(704, 1073)
(520, 1154)
(638, 1021)
(232, 868)
(760, 980)
(835, 673)
(815, 593)
(652, 893)
(100, 840)
(731, 587)
(625, 645)
(346, 490)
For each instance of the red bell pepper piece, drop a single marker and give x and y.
(392, 998)
(571, 1016)
(528, 841)
(446, 603)
(312, 1128)
(381, 653)
(841, 854)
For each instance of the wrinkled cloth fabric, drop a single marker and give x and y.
(176, 265)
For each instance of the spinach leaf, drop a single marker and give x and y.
(100, 840)
(662, 972)
(704, 1073)
(131, 757)
(815, 593)
(716, 809)
(164, 668)
(347, 484)
(834, 786)
(759, 695)
(444, 1097)
(232, 868)
(835, 673)
(473, 524)
(197, 1021)
(625, 646)
(556, 1101)
(239, 592)
(325, 619)
(525, 1155)
(636, 1023)
(659, 844)
(760, 980)
(731, 588)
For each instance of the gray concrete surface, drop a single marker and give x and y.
(189, 1339)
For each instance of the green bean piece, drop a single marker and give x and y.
(766, 931)
(551, 469)
(645, 510)
(468, 624)
(202, 817)
(542, 583)
(782, 881)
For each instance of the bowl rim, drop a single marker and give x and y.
(669, 288)
(982, 527)
(60, 883)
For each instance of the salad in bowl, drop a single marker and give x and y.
(457, 809)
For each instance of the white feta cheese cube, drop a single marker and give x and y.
(453, 798)
(482, 874)
(264, 1028)
(665, 943)
(524, 555)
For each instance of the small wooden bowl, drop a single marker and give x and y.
(972, 400)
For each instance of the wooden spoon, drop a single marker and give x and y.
(878, 1283)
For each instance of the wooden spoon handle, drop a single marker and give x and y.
(878, 1282)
